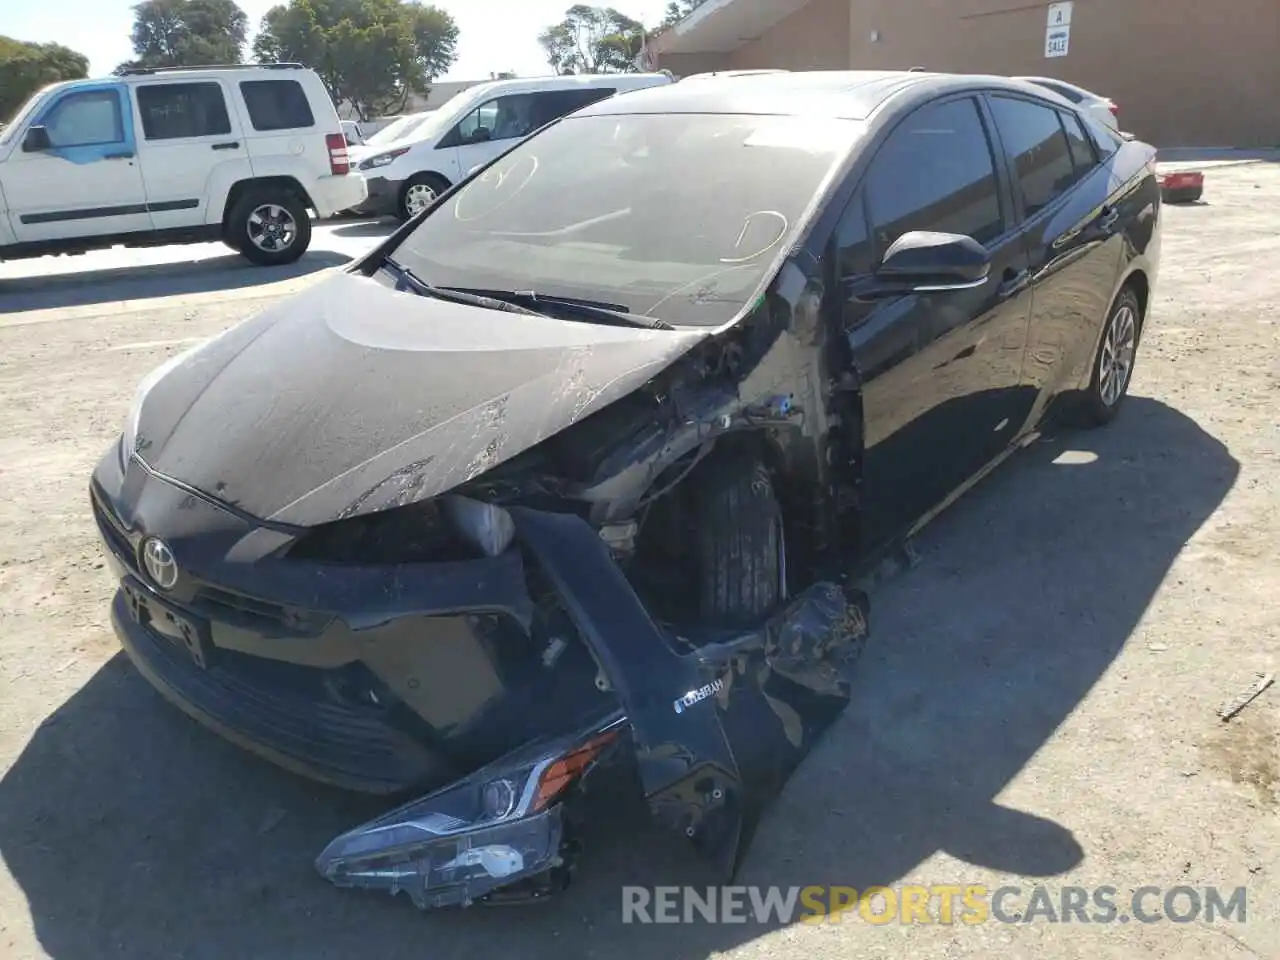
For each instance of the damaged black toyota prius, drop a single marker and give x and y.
(576, 467)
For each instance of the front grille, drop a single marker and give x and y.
(250, 613)
(287, 714)
(206, 600)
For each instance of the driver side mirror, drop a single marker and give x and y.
(923, 261)
(36, 140)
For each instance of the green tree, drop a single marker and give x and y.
(677, 10)
(187, 33)
(373, 54)
(593, 40)
(26, 67)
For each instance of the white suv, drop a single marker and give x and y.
(238, 154)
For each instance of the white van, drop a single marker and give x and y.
(400, 128)
(238, 154)
(478, 125)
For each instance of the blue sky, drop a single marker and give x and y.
(494, 35)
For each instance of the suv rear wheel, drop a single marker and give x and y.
(269, 227)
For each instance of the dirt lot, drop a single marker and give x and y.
(1037, 706)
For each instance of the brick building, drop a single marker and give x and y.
(1184, 72)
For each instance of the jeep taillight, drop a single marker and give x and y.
(339, 164)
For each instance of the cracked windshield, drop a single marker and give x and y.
(585, 210)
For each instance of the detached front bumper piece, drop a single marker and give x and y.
(292, 724)
(715, 724)
(716, 728)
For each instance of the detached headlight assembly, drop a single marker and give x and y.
(494, 828)
(382, 159)
(487, 527)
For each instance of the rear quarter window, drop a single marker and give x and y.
(1082, 151)
(1106, 140)
(277, 105)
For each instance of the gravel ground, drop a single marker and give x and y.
(1037, 706)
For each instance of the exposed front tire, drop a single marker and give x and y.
(739, 543)
(418, 193)
(1113, 363)
(269, 227)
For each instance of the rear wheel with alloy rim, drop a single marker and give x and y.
(1113, 365)
(269, 228)
(418, 193)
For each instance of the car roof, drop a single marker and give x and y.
(568, 82)
(150, 74)
(845, 94)
(1055, 81)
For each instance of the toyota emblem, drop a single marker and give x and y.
(161, 567)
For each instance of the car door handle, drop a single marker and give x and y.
(1013, 282)
(122, 155)
(229, 145)
(1108, 218)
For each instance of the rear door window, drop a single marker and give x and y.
(277, 105)
(172, 111)
(1037, 144)
(936, 171)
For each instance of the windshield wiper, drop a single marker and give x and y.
(406, 279)
(587, 309)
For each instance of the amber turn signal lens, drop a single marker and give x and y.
(559, 775)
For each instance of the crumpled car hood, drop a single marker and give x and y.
(352, 397)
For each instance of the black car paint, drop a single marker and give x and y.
(1031, 328)
(804, 373)
(385, 400)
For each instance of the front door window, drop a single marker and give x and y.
(85, 119)
(506, 118)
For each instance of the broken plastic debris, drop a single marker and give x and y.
(1262, 681)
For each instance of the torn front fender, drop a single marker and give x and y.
(719, 728)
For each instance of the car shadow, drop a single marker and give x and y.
(368, 228)
(131, 830)
(146, 282)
